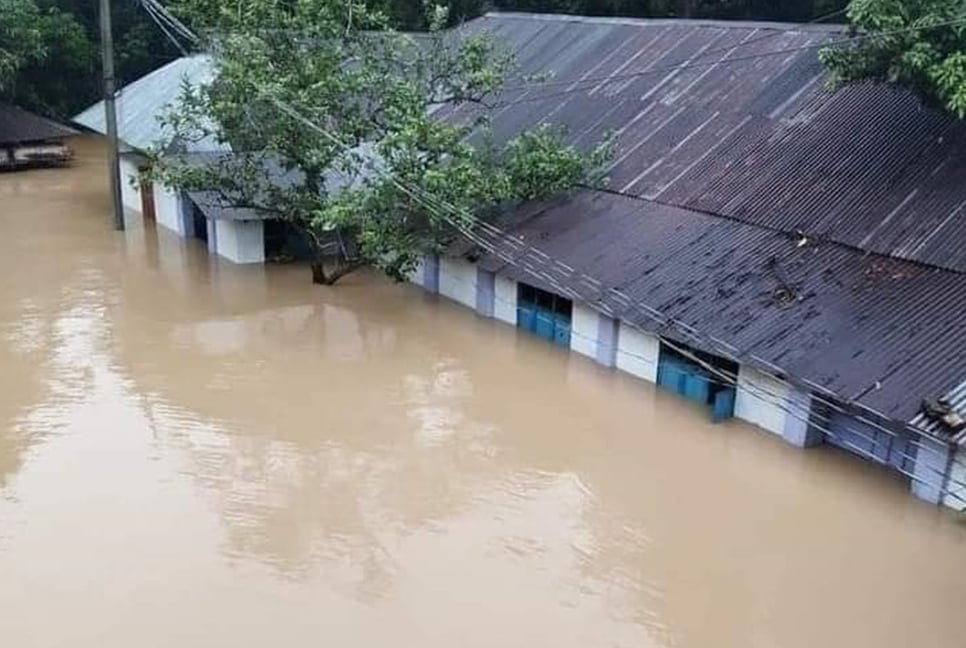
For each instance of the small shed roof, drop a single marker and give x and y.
(18, 126)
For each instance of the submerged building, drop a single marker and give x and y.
(29, 140)
(779, 252)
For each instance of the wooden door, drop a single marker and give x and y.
(147, 196)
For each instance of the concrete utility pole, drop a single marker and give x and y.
(113, 164)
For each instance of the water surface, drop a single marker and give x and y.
(198, 454)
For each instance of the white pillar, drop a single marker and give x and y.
(931, 469)
(238, 241)
(638, 352)
(485, 292)
(130, 184)
(798, 430)
(505, 300)
(761, 400)
(168, 210)
(457, 280)
(584, 331)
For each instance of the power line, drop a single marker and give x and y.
(661, 318)
(684, 351)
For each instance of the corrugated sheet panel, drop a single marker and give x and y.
(867, 327)
(760, 140)
(18, 126)
(141, 103)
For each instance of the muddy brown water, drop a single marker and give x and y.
(196, 454)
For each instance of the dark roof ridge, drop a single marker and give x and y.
(692, 22)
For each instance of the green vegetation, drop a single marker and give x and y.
(49, 59)
(930, 61)
(351, 98)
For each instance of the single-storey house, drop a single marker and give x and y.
(780, 252)
(139, 107)
(29, 140)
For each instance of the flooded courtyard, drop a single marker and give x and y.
(199, 454)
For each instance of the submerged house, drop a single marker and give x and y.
(29, 140)
(239, 235)
(784, 254)
(140, 104)
(778, 252)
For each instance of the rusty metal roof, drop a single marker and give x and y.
(760, 140)
(880, 331)
(19, 126)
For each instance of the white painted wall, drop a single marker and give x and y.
(957, 482)
(457, 280)
(240, 241)
(130, 189)
(505, 300)
(583, 331)
(760, 399)
(638, 352)
(167, 209)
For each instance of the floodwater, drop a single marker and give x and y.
(196, 454)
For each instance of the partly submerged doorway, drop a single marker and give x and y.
(698, 377)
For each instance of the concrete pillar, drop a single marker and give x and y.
(130, 183)
(170, 208)
(956, 482)
(637, 352)
(931, 470)
(798, 431)
(186, 222)
(607, 340)
(505, 300)
(584, 330)
(238, 241)
(457, 280)
(212, 235)
(485, 292)
(431, 273)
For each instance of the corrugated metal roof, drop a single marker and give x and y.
(141, 103)
(18, 126)
(759, 140)
(869, 328)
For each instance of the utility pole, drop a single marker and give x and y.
(107, 66)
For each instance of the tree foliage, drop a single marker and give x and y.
(48, 48)
(930, 60)
(21, 41)
(348, 110)
(49, 56)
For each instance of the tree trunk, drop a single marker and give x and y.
(318, 273)
(321, 277)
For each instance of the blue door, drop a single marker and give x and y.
(544, 314)
(691, 380)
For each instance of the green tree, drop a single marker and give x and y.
(21, 42)
(348, 109)
(71, 80)
(66, 77)
(930, 60)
